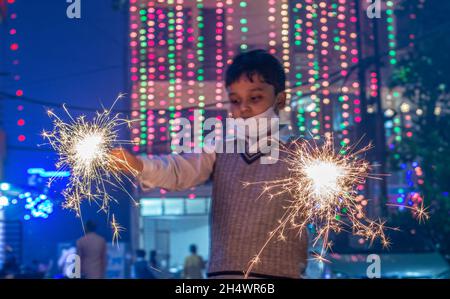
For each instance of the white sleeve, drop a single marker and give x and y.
(176, 172)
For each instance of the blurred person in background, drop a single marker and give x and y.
(141, 267)
(92, 251)
(193, 264)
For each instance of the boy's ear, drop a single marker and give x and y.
(280, 101)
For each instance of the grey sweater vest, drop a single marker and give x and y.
(241, 222)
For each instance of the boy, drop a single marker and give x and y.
(240, 219)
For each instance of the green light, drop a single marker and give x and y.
(243, 4)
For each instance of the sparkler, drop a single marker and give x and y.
(116, 228)
(419, 211)
(323, 185)
(85, 147)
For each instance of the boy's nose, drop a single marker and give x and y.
(244, 110)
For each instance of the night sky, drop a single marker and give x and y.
(80, 62)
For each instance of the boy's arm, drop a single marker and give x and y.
(176, 172)
(173, 172)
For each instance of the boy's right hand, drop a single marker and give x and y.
(126, 161)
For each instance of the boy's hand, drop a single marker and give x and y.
(126, 161)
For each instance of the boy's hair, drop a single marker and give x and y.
(257, 62)
(193, 248)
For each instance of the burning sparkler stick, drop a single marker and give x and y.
(323, 186)
(84, 147)
(116, 228)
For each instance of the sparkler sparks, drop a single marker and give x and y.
(116, 228)
(84, 147)
(418, 211)
(323, 185)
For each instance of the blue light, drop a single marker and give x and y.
(415, 164)
(399, 200)
(14, 201)
(26, 217)
(5, 186)
(48, 174)
(40, 207)
(4, 201)
(35, 170)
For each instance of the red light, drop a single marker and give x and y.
(21, 122)
(19, 93)
(21, 138)
(14, 47)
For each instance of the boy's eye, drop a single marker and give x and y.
(234, 102)
(256, 98)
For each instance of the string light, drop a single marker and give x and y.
(243, 24)
(298, 75)
(200, 70)
(14, 48)
(272, 26)
(391, 32)
(285, 36)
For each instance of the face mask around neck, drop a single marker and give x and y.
(263, 123)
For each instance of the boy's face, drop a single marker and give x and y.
(248, 98)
